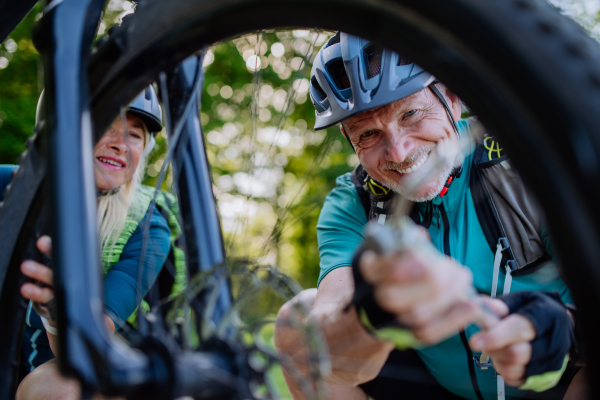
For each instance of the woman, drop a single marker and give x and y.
(122, 212)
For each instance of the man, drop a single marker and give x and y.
(395, 116)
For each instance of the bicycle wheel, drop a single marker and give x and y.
(532, 77)
(515, 63)
(20, 227)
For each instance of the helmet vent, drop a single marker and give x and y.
(337, 71)
(372, 55)
(335, 39)
(403, 60)
(317, 89)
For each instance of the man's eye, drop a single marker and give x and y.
(410, 113)
(368, 133)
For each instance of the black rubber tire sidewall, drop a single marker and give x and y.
(531, 75)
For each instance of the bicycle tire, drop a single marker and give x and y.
(19, 215)
(528, 73)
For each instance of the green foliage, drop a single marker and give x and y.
(271, 172)
(19, 89)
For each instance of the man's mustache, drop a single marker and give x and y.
(414, 156)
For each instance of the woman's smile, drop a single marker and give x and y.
(112, 163)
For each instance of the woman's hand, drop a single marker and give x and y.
(42, 273)
(39, 272)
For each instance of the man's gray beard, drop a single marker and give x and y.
(441, 176)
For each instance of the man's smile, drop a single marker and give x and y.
(415, 166)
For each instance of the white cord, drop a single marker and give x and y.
(149, 146)
(49, 328)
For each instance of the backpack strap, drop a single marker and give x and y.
(508, 214)
(378, 201)
(484, 206)
(359, 177)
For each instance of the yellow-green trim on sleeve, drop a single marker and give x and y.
(402, 338)
(545, 381)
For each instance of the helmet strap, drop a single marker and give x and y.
(442, 100)
(457, 171)
(149, 146)
(346, 136)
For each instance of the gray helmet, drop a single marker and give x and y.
(145, 106)
(351, 75)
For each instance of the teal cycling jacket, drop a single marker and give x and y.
(340, 232)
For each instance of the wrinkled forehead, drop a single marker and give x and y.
(389, 111)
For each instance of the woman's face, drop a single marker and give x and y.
(118, 153)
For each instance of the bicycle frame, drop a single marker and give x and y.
(11, 13)
(87, 352)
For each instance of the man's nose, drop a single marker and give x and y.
(399, 146)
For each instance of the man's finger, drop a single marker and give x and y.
(376, 268)
(44, 244)
(511, 330)
(426, 311)
(401, 267)
(496, 305)
(37, 271)
(373, 267)
(516, 354)
(36, 293)
(512, 374)
(454, 320)
(398, 299)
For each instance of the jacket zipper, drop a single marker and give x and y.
(463, 335)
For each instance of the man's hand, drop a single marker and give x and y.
(428, 292)
(507, 343)
(356, 356)
(533, 340)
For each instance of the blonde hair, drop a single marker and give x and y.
(113, 209)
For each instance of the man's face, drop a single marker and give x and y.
(394, 141)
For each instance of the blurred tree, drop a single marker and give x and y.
(20, 86)
(585, 12)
